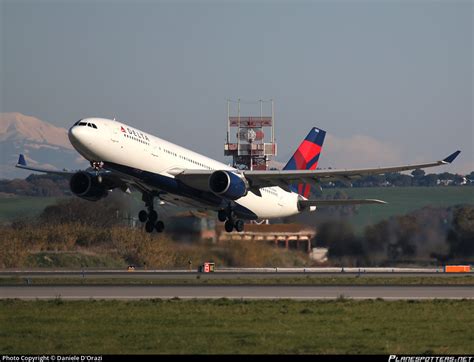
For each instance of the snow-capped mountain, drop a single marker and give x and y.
(41, 142)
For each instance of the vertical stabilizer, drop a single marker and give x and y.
(306, 157)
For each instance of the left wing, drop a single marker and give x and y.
(284, 178)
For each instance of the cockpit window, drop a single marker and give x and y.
(84, 123)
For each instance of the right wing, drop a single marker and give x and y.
(22, 164)
(110, 179)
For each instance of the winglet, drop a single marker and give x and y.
(451, 157)
(21, 160)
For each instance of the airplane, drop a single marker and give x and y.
(125, 158)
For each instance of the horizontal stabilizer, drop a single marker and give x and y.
(303, 204)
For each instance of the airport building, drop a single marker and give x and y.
(288, 236)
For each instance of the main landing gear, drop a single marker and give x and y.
(231, 222)
(150, 218)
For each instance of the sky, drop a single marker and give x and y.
(390, 81)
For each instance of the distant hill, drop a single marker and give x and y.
(41, 142)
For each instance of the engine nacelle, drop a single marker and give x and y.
(87, 186)
(228, 184)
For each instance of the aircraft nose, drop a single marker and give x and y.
(73, 134)
(76, 135)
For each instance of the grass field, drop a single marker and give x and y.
(402, 200)
(74, 260)
(224, 326)
(12, 208)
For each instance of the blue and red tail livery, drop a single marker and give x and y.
(306, 157)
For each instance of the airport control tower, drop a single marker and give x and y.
(248, 145)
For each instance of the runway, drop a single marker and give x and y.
(233, 273)
(237, 292)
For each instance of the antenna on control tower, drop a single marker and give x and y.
(249, 148)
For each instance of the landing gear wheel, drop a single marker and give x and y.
(149, 226)
(239, 225)
(153, 216)
(229, 226)
(142, 216)
(222, 215)
(159, 226)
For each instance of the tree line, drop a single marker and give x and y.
(429, 234)
(56, 186)
(444, 234)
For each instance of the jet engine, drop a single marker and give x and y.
(228, 184)
(87, 186)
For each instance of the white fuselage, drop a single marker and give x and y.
(114, 142)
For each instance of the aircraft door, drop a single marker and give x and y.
(155, 151)
(281, 198)
(115, 135)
